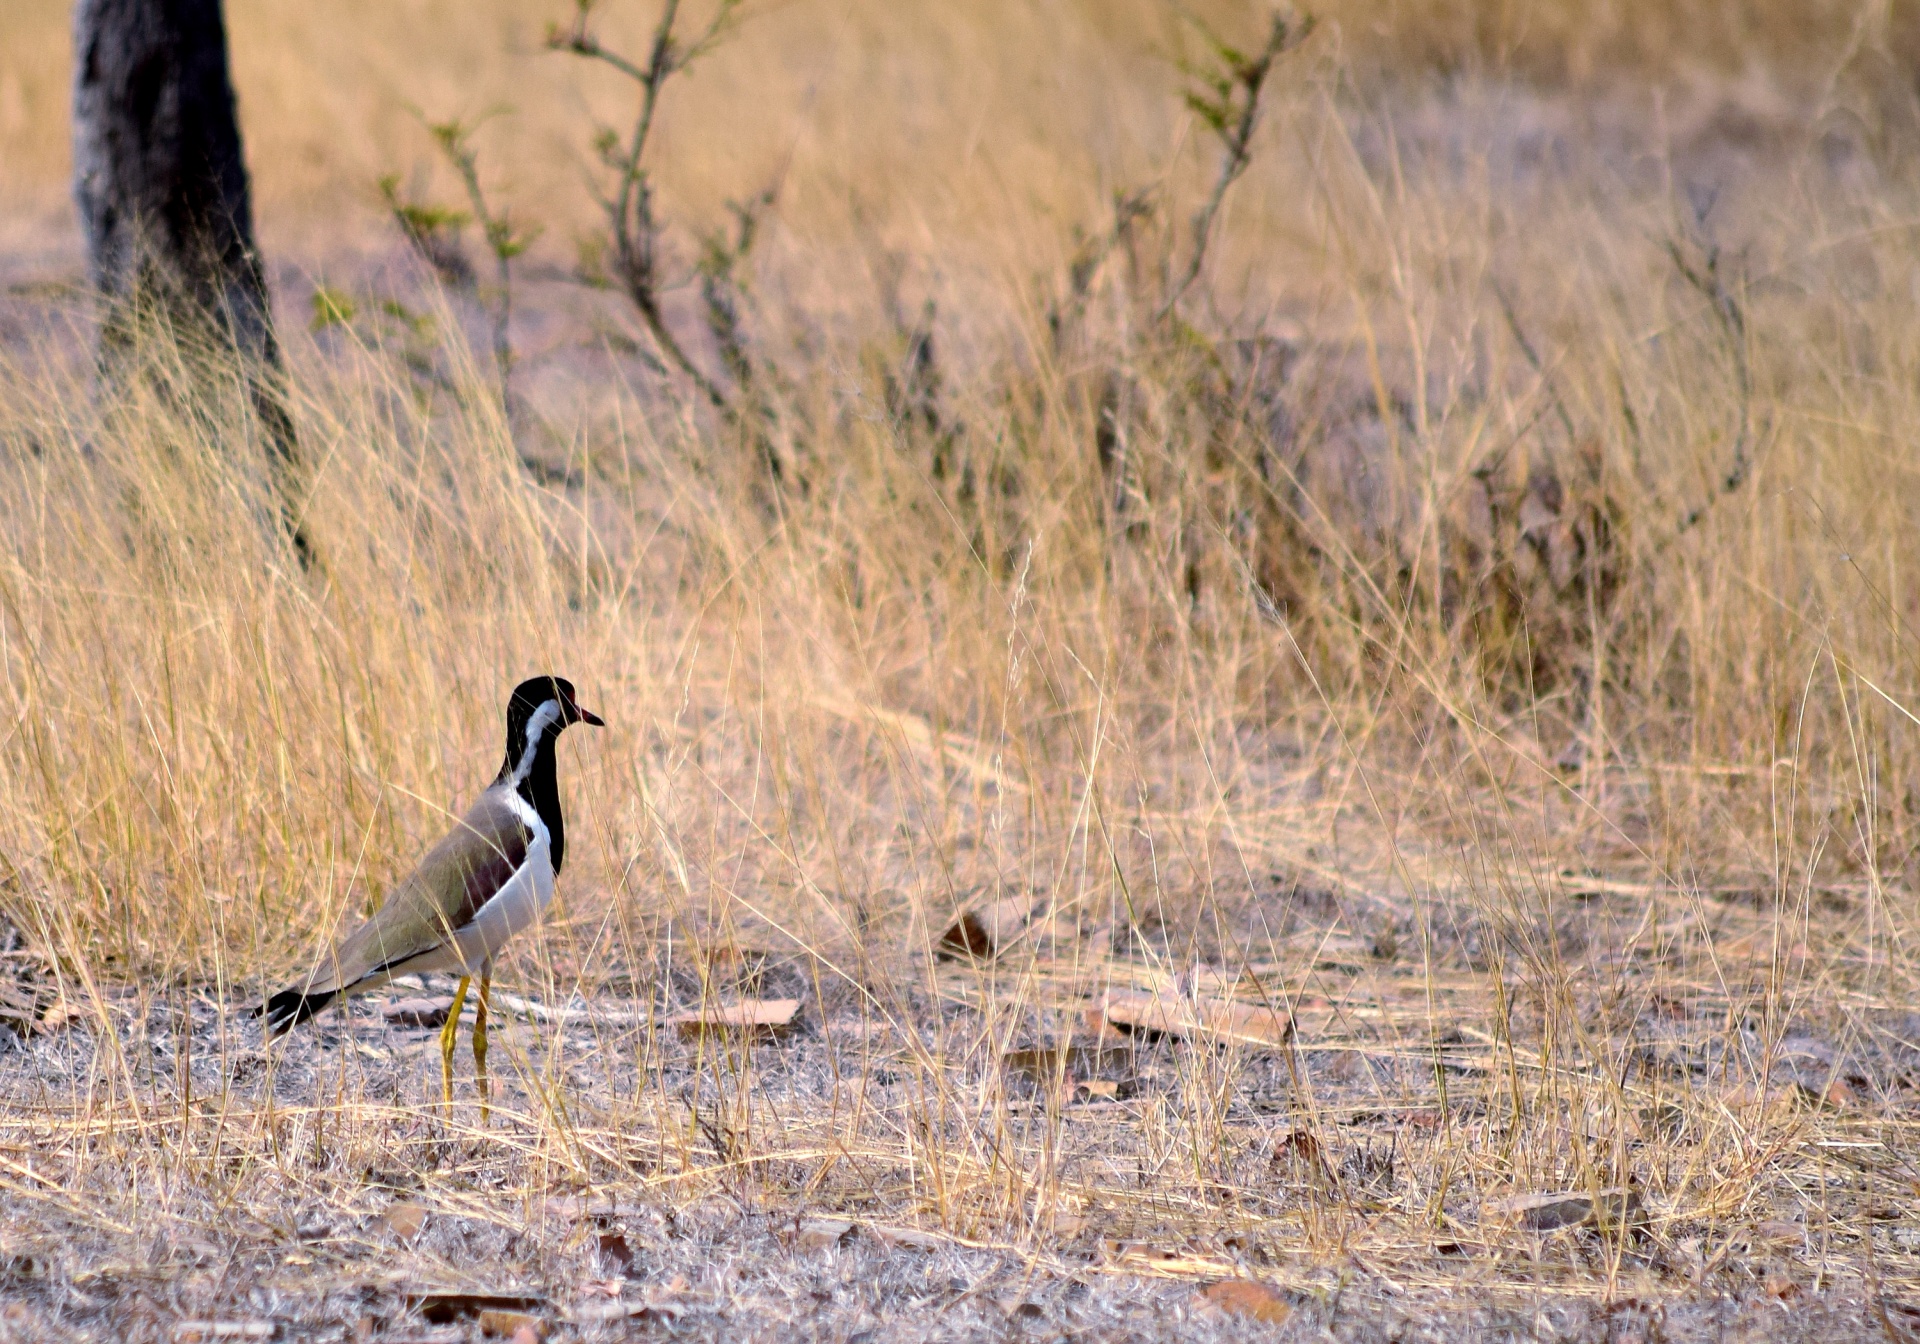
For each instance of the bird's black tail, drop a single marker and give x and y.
(290, 1007)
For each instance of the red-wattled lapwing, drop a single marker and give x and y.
(488, 879)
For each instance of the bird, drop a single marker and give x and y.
(487, 879)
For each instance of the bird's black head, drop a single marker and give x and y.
(539, 709)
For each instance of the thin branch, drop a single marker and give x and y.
(502, 239)
(1088, 260)
(1731, 318)
(1227, 98)
(433, 232)
(634, 230)
(1533, 359)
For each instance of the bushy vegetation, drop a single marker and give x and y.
(1385, 510)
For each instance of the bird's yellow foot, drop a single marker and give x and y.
(480, 1081)
(449, 1034)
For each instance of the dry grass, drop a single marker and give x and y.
(1484, 629)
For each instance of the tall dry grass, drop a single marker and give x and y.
(968, 115)
(1494, 536)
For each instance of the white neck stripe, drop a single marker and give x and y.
(543, 718)
(530, 818)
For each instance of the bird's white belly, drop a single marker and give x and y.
(517, 904)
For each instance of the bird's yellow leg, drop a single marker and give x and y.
(480, 1083)
(448, 1035)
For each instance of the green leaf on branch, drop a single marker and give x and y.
(331, 308)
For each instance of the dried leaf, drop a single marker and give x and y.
(1211, 980)
(1139, 1252)
(1614, 1208)
(418, 1013)
(403, 1220)
(1750, 1097)
(758, 1019)
(596, 1211)
(1094, 1030)
(663, 1314)
(59, 1015)
(496, 1323)
(905, 1238)
(19, 1008)
(1547, 1213)
(1301, 1149)
(1211, 1019)
(1244, 1297)
(1042, 1063)
(205, 1332)
(615, 1253)
(734, 967)
(1067, 1225)
(816, 1234)
(986, 931)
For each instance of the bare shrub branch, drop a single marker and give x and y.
(1226, 95)
(632, 226)
(433, 231)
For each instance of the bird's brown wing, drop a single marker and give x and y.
(453, 881)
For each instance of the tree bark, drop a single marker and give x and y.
(160, 180)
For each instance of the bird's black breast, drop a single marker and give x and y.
(542, 792)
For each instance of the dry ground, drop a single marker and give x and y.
(1473, 623)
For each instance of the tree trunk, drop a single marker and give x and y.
(161, 184)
